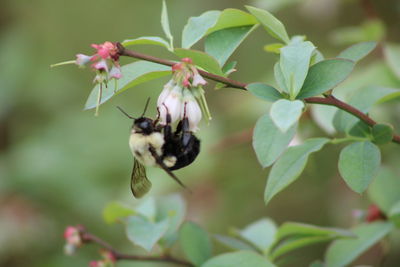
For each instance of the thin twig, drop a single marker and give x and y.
(90, 238)
(327, 100)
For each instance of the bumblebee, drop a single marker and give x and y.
(153, 144)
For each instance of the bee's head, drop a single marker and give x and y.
(143, 125)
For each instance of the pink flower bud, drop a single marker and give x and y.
(100, 65)
(198, 80)
(177, 67)
(187, 60)
(72, 236)
(82, 60)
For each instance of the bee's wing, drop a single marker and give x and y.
(161, 164)
(140, 185)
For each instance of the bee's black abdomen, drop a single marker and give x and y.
(187, 154)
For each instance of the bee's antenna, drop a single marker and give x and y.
(126, 114)
(146, 106)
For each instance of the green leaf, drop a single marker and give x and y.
(201, 59)
(290, 165)
(297, 242)
(273, 26)
(197, 27)
(325, 75)
(358, 51)
(195, 243)
(360, 129)
(233, 243)
(132, 75)
(385, 190)
(151, 40)
(238, 259)
(171, 208)
(165, 24)
(293, 236)
(280, 80)
(221, 44)
(147, 208)
(274, 48)
(260, 233)
(285, 113)
(144, 233)
(317, 263)
(394, 214)
(343, 252)
(362, 99)
(264, 91)
(294, 62)
(115, 211)
(231, 18)
(382, 133)
(358, 164)
(392, 57)
(268, 141)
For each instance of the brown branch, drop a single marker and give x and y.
(327, 100)
(90, 238)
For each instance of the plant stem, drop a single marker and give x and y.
(327, 100)
(90, 238)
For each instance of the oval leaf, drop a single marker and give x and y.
(221, 44)
(382, 133)
(268, 141)
(273, 26)
(260, 233)
(115, 211)
(201, 59)
(358, 164)
(151, 40)
(385, 190)
(230, 18)
(294, 63)
(132, 75)
(290, 165)
(325, 75)
(358, 51)
(195, 243)
(392, 57)
(285, 113)
(173, 209)
(165, 23)
(197, 27)
(343, 252)
(145, 233)
(238, 259)
(264, 91)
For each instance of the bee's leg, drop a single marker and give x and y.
(158, 117)
(186, 133)
(167, 127)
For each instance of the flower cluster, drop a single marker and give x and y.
(104, 62)
(183, 96)
(73, 239)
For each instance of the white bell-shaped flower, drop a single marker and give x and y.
(172, 104)
(191, 110)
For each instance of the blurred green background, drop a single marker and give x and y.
(60, 165)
